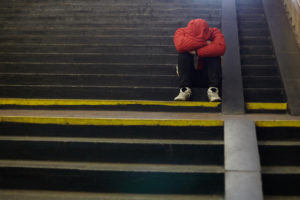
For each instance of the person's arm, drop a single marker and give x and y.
(185, 43)
(214, 48)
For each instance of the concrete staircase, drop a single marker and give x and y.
(261, 78)
(119, 55)
(279, 147)
(173, 157)
(96, 50)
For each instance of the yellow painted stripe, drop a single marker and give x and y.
(278, 123)
(266, 106)
(110, 122)
(87, 102)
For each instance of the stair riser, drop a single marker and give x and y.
(260, 71)
(250, 18)
(112, 182)
(252, 33)
(252, 25)
(258, 60)
(256, 50)
(280, 155)
(134, 69)
(112, 3)
(253, 41)
(142, 132)
(86, 33)
(112, 11)
(148, 81)
(60, 58)
(264, 95)
(99, 19)
(87, 26)
(257, 82)
(278, 133)
(281, 184)
(118, 93)
(92, 80)
(111, 14)
(246, 10)
(71, 4)
(89, 49)
(91, 40)
(113, 152)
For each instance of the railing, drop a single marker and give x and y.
(293, 11)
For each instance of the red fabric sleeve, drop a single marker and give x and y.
(216, 48)
(183, 42)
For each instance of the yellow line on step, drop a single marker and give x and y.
(278, 123)
(110, 122)
(87, 102)
(266, 106)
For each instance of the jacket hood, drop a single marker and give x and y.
(199, 29)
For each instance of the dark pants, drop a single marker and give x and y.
(208, 76)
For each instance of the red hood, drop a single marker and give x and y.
(198, 28)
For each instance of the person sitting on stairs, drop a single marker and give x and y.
(207, 45)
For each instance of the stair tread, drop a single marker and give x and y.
(58, 195)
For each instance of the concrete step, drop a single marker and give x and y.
(62, 48)
(256, 50)
(100, 40)
(111, 150)
(109, 182)
(258, 60)
(279, 148)
(99, 92)
(98, 68)
(262, 82)
(109, 10)
(180, 133)
(126, 80)
(54, 25)
(112, 3)
(112, 156)
(263, 32)
(88, 58)
(257, 41)
(251, 24)
(104, 19)
(88, 49)
(261, 77)
(260, 70)
(58, 195)
(264, 95)
(246, 10)
(87, 32)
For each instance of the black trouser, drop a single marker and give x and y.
(208, 76)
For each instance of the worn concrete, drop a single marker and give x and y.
(241, 151)
(145, 115)
(55, 195)
(287, 51)
(232, 85)
(243, 186)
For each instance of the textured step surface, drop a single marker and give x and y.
(279, 148)
(165, 158)
(261, 78)
(120, 50)
(36, 195)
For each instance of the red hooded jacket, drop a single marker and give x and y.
(195, 37)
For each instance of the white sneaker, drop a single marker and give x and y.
(213, 94)
(177, 71)
(184, 94)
